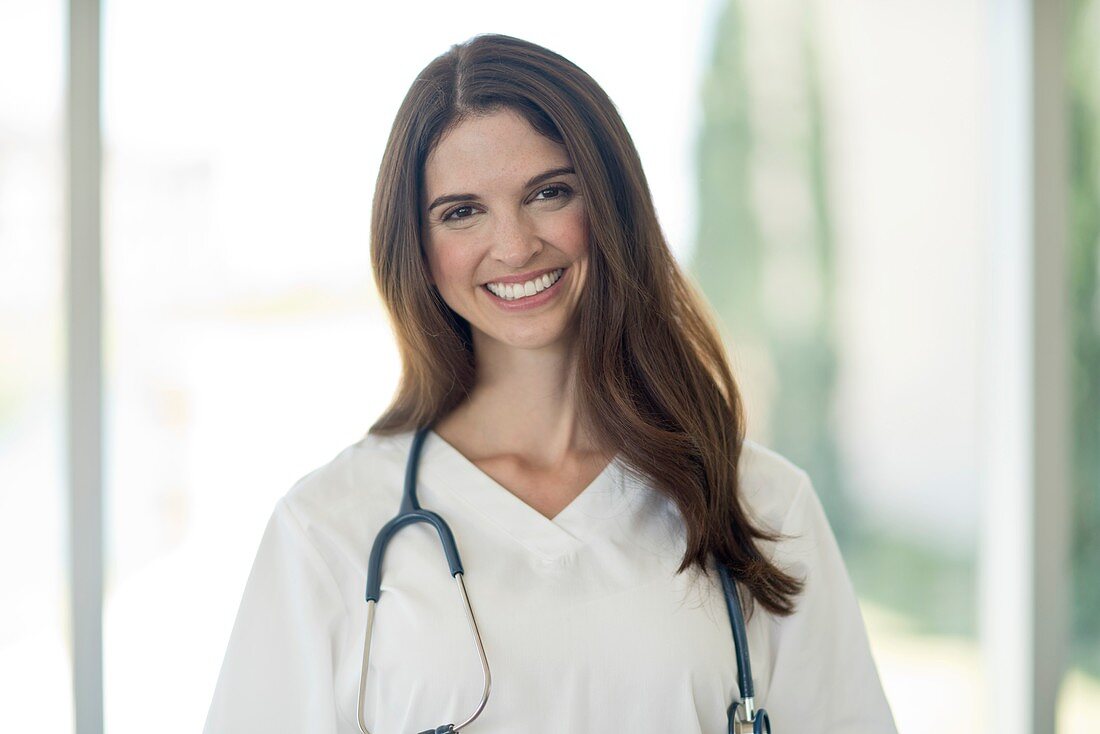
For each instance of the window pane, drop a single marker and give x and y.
(844, 263)
(34, 634)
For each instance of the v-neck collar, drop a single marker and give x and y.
(444, 468)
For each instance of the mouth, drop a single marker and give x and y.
(509, 292)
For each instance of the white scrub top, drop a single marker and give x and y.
(586, 625)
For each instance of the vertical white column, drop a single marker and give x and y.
(1024, 567)
(1051, 494)
(84, 366)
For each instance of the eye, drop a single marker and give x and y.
(456, 210)
(558, 191)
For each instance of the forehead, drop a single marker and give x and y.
(498, 149)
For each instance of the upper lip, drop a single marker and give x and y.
(523, 277)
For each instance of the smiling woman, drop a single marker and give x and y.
(567, 416)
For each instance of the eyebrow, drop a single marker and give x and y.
(448, 198)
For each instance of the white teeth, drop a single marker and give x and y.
(513, 291)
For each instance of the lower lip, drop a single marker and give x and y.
(523, 304)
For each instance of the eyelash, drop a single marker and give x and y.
(558, 187)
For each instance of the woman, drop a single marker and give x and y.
(583, 439)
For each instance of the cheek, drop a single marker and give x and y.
(449, 263)
(571, 231)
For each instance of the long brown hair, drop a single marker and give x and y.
(653, 382)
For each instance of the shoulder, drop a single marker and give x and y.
(780, 497)
(771, 485)
(791, 648)
(363, 480)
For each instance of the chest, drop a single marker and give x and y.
(600, 638)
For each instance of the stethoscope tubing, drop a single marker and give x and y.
(410, 514)
(742, 716)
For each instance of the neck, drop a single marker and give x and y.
(524, 403)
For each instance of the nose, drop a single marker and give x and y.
(515, 240)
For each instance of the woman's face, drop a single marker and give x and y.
(502, 206)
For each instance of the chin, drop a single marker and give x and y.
(524, 340)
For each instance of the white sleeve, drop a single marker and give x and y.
(277, 674)
(823, 677)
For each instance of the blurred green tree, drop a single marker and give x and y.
(1084, 264)
(764, 259)
(766, 266)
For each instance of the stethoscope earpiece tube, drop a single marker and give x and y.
(409, 501)
(410, 513)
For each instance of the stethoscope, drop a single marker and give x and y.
(742, 717)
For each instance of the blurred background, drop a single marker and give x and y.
(828, 171)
